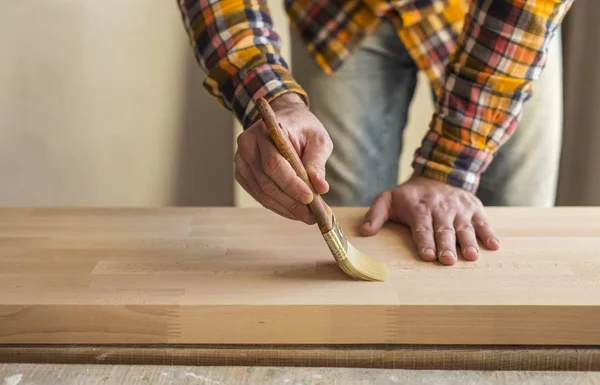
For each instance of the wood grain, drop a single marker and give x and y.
(248, 276)
(413, 357)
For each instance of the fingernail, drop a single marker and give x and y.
(366, 225)
(306, 198)
(493, 242)
(429, 253)
(447, 254)
(471, 250)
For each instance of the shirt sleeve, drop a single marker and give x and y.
(500, 51)
(236, 45)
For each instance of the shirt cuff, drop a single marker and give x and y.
(443, 159)
(267, 81)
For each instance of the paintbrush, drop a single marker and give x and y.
(354, 263)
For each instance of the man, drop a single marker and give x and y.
(481, 58)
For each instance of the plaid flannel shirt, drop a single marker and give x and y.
(479, 55)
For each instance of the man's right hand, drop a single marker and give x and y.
(268, 177)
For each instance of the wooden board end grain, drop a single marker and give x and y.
(247, 276)
(407, 357)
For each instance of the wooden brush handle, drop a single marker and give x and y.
(319, 208)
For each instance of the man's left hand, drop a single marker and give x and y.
(438, 214)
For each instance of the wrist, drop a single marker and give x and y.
(436, 169)
(288, 100)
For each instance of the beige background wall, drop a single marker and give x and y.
(101, 103)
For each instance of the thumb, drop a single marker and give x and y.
(378, 214)
(316, 152)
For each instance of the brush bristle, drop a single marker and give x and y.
(360, 266)
(354, 263)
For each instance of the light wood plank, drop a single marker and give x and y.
(247, 276)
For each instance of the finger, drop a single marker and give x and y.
(377, 215)
(254, 191)
(278, 169)
(422, 232)
(485, 232)
(465, 233)
(317, 151)
(445, 237)
(246, 179)
(245, 176)
(270, 192)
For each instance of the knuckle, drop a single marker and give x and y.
(472, 207)
(479, 223)
(422, 208)
(319, 168)
(295, 207)
(465, 227)
(325, 142)
(266, 200)
(443, 206)
(271, 163)
(268, 187)
(423, 229)
(444, 229)
(242, 140)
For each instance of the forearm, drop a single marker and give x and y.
(502, 49)
(235, 44)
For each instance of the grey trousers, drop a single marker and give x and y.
(365, 108)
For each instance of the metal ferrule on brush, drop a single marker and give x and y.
(337, 241)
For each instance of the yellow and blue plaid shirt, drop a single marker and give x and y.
(479, 55)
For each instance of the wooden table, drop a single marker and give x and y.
(230, 286)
